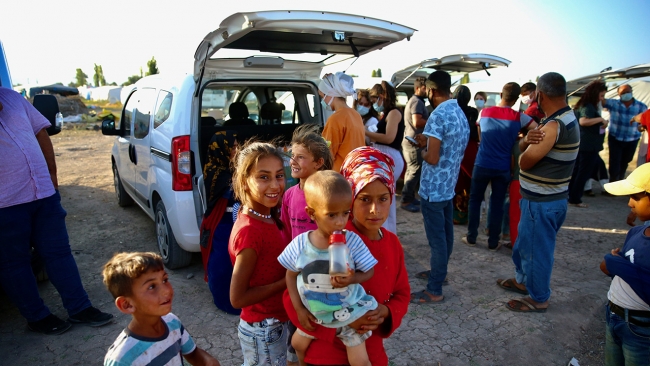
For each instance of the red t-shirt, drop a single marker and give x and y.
(390, 287)
(533, 112)
(268, 242)
(645, 121)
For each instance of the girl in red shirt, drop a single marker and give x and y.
(255, 242)
(370, 172)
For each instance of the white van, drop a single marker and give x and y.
(168, 121)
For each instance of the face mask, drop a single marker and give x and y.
(377, 107)
(479, 103)
(363, 110)
(526, 99)
(326, 106)
(626, 97)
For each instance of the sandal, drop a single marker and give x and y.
(510, 285)
(523, 306)
(579, 205)
(424, 297)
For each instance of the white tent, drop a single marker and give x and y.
(110, 93)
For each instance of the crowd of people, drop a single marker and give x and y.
(265, 251)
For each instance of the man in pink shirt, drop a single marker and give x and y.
(31, 215)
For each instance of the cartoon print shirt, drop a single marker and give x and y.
(333, 307)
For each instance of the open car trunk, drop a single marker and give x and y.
(576, 87)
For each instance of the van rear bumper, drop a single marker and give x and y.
(182, 218)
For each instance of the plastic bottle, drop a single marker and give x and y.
(339, 253)
(58, 120)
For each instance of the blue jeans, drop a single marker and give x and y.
(40, 224)
(263, 343)
(625, 343)
(535, 245)
(481, 177)
(439, 227)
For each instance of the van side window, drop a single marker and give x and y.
(143, 112)
(163, 107)
(127, 117)
(287, 98)
(311, 101)
(253, 106)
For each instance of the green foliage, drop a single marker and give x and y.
(81, 78)
(98, 77)
(464, 79)
(72, 84)
(113, 84)
(132, 80)
(152, 67)
(374, 73)
(378, 73)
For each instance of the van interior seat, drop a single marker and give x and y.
(238, 112)
(207, 121)
(271, 112)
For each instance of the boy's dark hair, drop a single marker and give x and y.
(440, 81)
(528, 87)
(124, 268)
(510, 92)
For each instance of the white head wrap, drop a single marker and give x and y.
(337, 85)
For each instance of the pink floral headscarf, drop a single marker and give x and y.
(366, 164)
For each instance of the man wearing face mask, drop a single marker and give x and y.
(415, 117)
(528, 98)
(546, 166)
(344, 128)
(623, 135)
(443, 145)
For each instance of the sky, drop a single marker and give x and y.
(46, 41)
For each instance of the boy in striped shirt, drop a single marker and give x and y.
(155, 336)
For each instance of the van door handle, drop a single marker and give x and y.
(135, 156)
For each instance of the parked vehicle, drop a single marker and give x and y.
(168, 121)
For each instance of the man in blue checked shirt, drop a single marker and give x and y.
(623, 135)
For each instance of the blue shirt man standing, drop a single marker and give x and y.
(444, 141)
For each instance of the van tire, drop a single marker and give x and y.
(123, 198)
(172, 254)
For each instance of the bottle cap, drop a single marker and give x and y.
(337, 237)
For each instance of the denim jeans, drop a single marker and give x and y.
(40, 224)
(413, 160)
(625, 343)
(481, 177)
(263, 343)
(439, 227)
(535, 246)
(620, 155)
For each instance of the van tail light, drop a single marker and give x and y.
(181, 164)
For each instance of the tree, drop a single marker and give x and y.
(131, 80)
(152, 67)
(113, 84)
(464, 79)
(374, 73)
(81, 77)
(378, 73)
(98, 77)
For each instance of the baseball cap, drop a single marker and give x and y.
(439, 79)
(638, 181)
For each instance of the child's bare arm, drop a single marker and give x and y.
(356, 277)
(304, 316)
(199, 357)
(241, 295)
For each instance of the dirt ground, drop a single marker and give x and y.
(472, 327)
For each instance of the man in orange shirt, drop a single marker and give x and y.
(344, 129)
(643, 119)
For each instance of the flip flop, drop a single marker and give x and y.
(424, 275)
(520, 309)
(423, 298)
(509, 285)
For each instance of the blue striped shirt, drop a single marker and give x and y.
(132, 349)
(620, 116)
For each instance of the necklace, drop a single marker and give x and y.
(259, 214)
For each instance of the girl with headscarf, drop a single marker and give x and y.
(463, 95)
(344, 129)
(370, 173)
(218, 219)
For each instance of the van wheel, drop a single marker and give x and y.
(123, 198)
(172, 254)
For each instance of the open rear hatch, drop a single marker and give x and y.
(453, 64)
(576, 87)
(328, 37)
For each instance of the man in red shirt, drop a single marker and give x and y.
(643, 119)
(528, 98)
